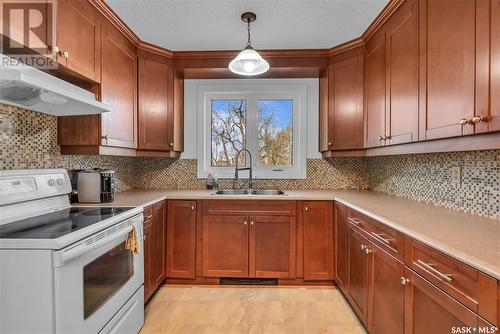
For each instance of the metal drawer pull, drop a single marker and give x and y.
(355, 221)
(379, 236)
(433, 270)
(363, 247)
(405, 280)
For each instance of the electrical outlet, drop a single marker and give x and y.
(456, 175)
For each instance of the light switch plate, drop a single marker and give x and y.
(456, 175)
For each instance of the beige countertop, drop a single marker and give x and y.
(469, 238)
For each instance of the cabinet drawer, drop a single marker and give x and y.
(467, 285)
(383, 236)
(249, 207)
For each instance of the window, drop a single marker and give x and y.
(265, 116)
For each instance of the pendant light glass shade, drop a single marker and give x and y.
(248, 62)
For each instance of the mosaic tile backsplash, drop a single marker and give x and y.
(29, 140)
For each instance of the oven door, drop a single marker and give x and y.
(94, 278)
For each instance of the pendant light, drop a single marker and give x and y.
(248, 61)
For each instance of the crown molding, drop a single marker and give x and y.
(148, 47)
(115, 20)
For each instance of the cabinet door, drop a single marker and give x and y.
(158, 245)
(155, 105)
(359, 274)
(148, 290)
(181, 239)
(494, 117)
(447, 35)
(346, 103)
(341, 247)
(430, 310)
(78, 38)
(375, 81)
(225, 246)
(119, 90)
(386, 315)
(272, 246)
(402, 74)
(318, 240)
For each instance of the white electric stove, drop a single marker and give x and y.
(66, 269)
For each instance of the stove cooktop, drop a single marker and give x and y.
(57, 224)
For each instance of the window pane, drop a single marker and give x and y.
(228, 131)
(275, 133)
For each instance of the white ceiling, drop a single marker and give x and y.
(189, 25)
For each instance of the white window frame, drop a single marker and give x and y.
(252, 90)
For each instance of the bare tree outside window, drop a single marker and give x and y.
(275, 133)
(229, 118)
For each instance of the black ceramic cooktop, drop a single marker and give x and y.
(56, 224)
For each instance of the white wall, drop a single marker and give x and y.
(191, 126)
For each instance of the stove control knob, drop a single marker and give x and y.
(59, 182)
(52, 182)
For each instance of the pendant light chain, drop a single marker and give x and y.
(248, 33)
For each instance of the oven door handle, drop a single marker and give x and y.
(78, 251)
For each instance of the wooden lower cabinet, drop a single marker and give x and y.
(341, 246)
(225, 246)
(272, 247)
(181, 239)
(430, 310)
(386, 298)
(154, 248)
(318, 240)
(359, 274)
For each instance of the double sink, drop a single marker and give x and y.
(257, 192)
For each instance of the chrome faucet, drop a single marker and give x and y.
(237, 169)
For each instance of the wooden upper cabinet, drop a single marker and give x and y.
(156, 127)
(402, 92)
(181, 239)
(493, 119)
(272, 246)
(118, 89)
(345, 121)
(448, 41)
(225, 246)
(318, 240)
(341, 247)
(386, 310)
(430, 310)
(375, 90)
(78, 38)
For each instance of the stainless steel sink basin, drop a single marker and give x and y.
(232, 192)
(267, 192)
(257, 192)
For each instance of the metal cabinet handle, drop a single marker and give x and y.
(363, 247)
(429, 267)
(245, 223)
(171, 144)
(380, 138)
(367, 250)
(355, 221)
(192, 207)
(463, 122)
(251, 223)
(405, 280)
(144, 238)
(379, 237)
(330, 143)
(54, 49)
(306, 208)
(475, 120)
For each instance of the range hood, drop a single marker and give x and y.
(29, 88)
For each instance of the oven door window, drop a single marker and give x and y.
(104, 276)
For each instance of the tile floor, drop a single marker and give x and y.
(235, 309)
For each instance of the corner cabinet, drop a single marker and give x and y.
(344, 129)
(119, 90)
(154, 247)
(181, 239)
(319, 257)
